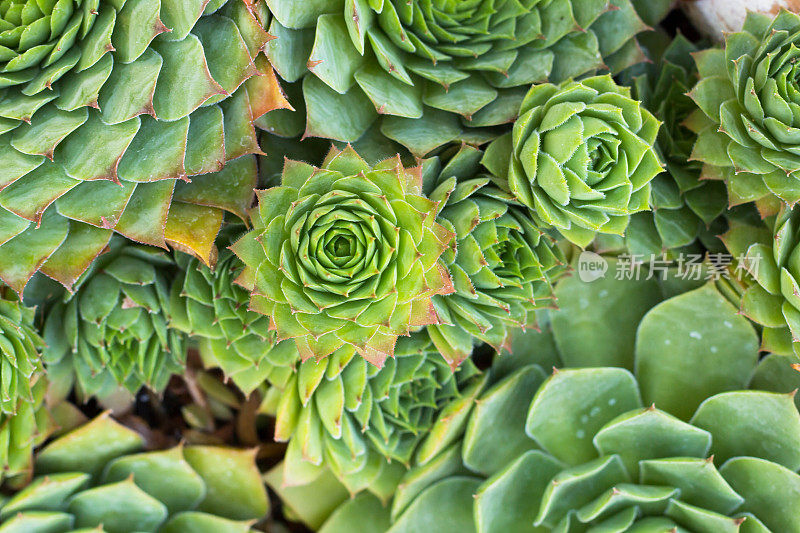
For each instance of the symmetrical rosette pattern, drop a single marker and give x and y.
(345, 255)
(114, 329)
(749, 132)
(685, 207)
(127, 116)
(501, 263)
(208, 306)
(439, 71)
(767, 255)
(581, 156)
(363, 422)
(98, 478)
(20, 347)
(580, 450)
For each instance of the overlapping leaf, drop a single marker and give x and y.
(439, 71)
(132, 117)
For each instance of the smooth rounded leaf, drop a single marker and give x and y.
(699, 330)
(572, 405)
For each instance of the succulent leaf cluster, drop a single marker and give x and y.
(214, 311)
(98, 478)
(114, 329)
(581, 449)
(129, 117)
(23, 431)
(685, 207)
(502, 264)
(766, 254)
(598, 458)
(747, 131)
(20, 349)
(580, 156)
(345, 255)
(363, 422)
(499, 303)
(439, 71)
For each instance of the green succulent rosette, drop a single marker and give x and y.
(126, 116)
(113, 330)
(603, 448)
(365, 423)
(208, 306)
(747, 130)
(98, 477)
(685, 208)
(581, 156)
(439, 71)
(766, 262)
(20, 347)
(345, 255)
(502, 264)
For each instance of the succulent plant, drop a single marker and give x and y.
(440, 71)
(586, 453)
(361, 421)
(747, 133)
(581, 156)
(345, 255)
(85, 475)
(20, 346)
(128, 117)
(579, 450)
(22, 431)
(685, 207)
(209, 307)
(652, 330)
(114, 328)
(765, 260)
(502, 264)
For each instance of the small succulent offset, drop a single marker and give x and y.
(114, 329)
(119, 116)
(768, 254)
(439, 71)
(98, 478)
(361, 421)
(581, 156)
(685, 206)
(749, 136)
(503, 266)
(208, 306)
(345, 255)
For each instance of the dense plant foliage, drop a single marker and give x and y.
(398, 266)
